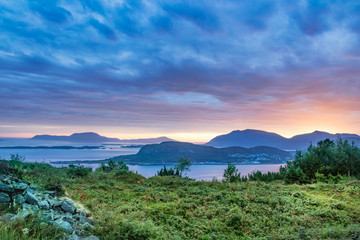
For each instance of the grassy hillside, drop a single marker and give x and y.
(129, 206)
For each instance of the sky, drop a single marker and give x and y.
(189, 70)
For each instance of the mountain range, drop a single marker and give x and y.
(94, 137)
(252, 138)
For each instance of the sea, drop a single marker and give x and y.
(200, 172)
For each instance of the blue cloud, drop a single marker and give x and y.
(94, 5)
(201, 16)
(49, 11)
(106, 31)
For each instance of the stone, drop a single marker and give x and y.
(54, 203)
(92, 237)
(51, 193)
(47, 216)
(7, 217)
(67, 206)
(31, 198)
(73, 237)
(4, 199)
(64, 225)
(69, 220)
(20, 187)
(23, 213)
(44, 205)
(19, 199)
(5, 188)
(25, 231)
(88, 226)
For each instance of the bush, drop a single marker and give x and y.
(78, 171)
(182, 166)
(112, 165)
(325, 162)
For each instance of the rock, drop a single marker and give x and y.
(20, 187)
(69, 220)
(44, 205)
(7, 217)
(47, 216)
(51, 193)
(54, 203)
(23, 213)
(33, 208)
(64, 225)
(4, 200)
(73, 237)
(5, 188)
(25, 231)
(88, 226)
(92, 237)
(67, 206)
(31, 198)
(33, 187)
(19, 199)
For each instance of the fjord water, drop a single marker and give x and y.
(198, 171)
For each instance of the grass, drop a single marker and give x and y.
(129, 206)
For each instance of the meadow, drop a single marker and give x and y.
(126, 205)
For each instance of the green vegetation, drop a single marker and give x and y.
(182, 166)
(325, 162)
(260, 206)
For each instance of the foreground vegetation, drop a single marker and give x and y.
(126, 205)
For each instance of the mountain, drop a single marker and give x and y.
(170, 152)
(248, 138)
(94, 137)
(148, 140)
(77, 137)
(252, 138)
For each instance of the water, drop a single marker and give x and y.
(199, 172)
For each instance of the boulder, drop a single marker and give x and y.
(23, 213)
(44, 205)
(7, 217)
(31, 198)
(19, 199)
(92, 237)
(64, 225)
(73, 237)
(4, 199)
(54, 203)
(6, 188)
(20, 187)
(67, 206)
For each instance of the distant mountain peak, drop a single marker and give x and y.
(95, 137)
(253, 137)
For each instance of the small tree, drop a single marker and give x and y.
(183, 165)
(231, 173)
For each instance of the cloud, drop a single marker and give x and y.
(156, 64)
(103, 29)
(201, 16)
(50, 12)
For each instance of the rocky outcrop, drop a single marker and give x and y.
(29, 200)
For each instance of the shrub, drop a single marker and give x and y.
(325, 162)
(112, 165)
(78, 171)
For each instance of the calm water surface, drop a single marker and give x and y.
(198, 172)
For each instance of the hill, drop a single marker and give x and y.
(170, 152)
(252, 138)
(94, 137)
